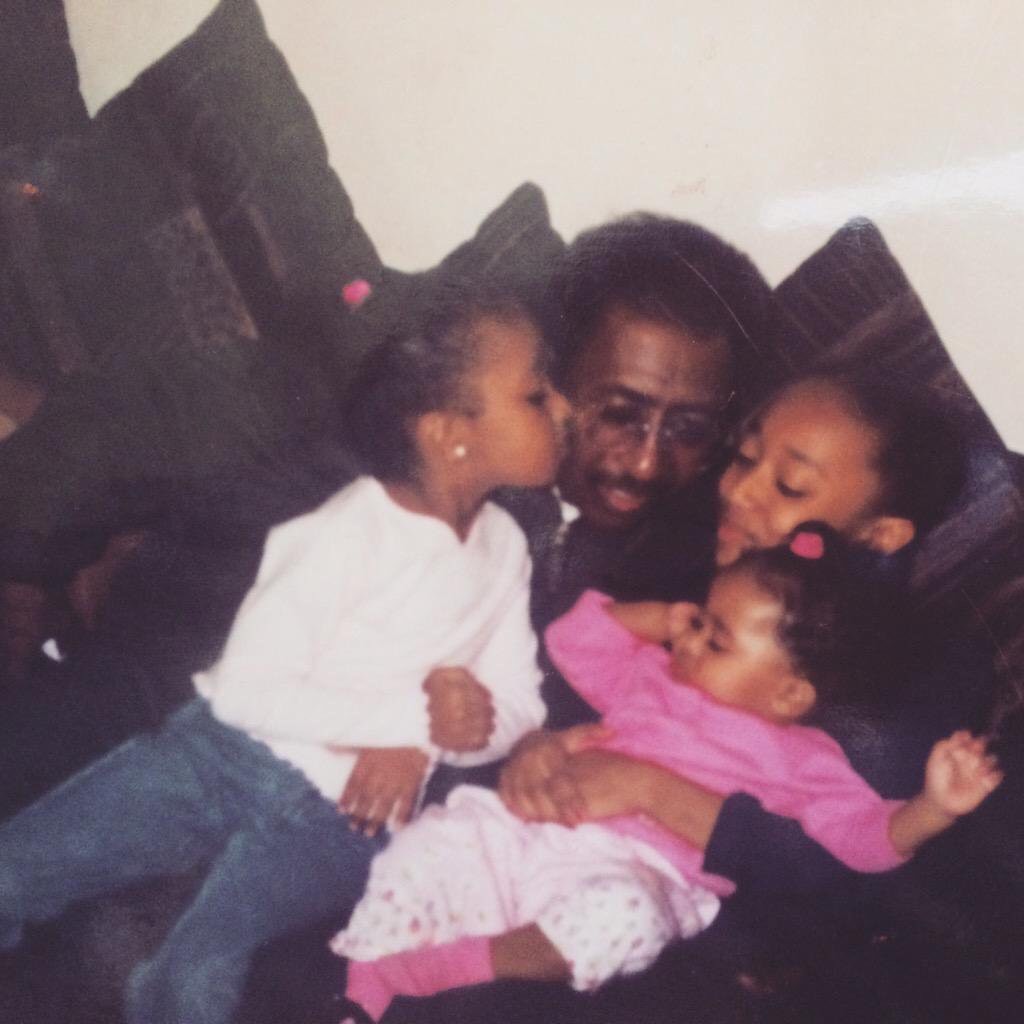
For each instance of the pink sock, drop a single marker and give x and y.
(419, 972)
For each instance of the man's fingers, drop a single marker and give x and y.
(582, 737)
(528, 802)
(540, 806)
(567, 799)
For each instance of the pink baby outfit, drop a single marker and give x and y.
(794, 770)
(609, 895)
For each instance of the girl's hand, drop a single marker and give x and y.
(960, 773)
(460, 708)
(383, 787)
(533, 783)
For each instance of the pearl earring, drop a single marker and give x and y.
(459, 451)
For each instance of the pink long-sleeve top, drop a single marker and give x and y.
(794, 770)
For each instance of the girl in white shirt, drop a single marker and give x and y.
(386, 630)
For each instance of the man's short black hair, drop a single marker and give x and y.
(673, 272)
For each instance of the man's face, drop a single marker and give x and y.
(647, 400)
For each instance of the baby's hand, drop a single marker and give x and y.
(682, 618)
(649, 620)
(960, 773)
(461, 710)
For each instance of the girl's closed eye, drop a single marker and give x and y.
(538, 398)
(788, 491)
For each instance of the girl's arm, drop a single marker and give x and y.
(559, 776)
(506, 668)
(272, 679)
(960, 773)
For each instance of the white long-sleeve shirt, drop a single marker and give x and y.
(353, 605)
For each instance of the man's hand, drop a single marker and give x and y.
(460, 708)
(960, 773)
(383, 787)
(534, 784)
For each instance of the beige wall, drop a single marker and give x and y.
(771, 122)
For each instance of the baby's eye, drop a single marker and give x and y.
(538, 398)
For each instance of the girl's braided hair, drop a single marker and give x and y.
(420, 365)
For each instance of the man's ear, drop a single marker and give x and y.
(794, 699)
(886, 534)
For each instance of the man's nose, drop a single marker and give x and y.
(644, 459)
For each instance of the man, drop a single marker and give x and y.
(662, 343)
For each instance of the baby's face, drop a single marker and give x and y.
(730, 648)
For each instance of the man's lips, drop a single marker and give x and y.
(623, 500)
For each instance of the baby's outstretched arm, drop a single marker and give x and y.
(959, 774)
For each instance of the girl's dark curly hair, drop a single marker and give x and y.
(838, 614)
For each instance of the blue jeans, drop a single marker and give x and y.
(280, 856)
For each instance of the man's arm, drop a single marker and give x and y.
(553, 776)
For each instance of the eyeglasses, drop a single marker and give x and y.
(632, 423)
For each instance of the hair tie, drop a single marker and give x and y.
(806, 544)
(356, 292)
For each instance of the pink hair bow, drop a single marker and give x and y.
(807, 545)
(356, 292)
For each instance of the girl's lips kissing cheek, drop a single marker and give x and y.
(730, 533)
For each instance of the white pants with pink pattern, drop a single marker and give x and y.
(607, 903)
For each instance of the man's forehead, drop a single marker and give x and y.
(654, 360)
